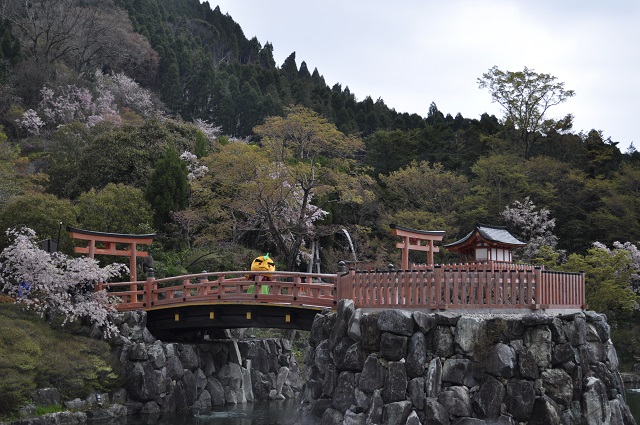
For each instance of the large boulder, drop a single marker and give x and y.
(558, 385)
(144, 382)
(344, 396)
(595, 403)
(392, 346)
(488, 399)
(521, 397)
(435, 413)
(395, 387)
(459, 372)
(373, 374)
(433, 378)
(470, 333)
(397, 321)
(396, 412)
(457, 401)
(416, 355)
(501, 360)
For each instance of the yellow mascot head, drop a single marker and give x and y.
(263, 264)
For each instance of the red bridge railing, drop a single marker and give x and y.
(300, 289)
(426, 288)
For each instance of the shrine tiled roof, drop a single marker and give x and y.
(496, 234)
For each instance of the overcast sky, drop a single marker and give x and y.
(414, 52)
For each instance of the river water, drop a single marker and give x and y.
(633, 401)
(277, 413)
(283, 412)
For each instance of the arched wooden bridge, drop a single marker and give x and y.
(184, 307)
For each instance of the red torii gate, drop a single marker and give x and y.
(412, 240)
(108, 242)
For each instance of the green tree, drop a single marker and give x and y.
(168, 188)
(201, 145)
(525, 97)
(498, 181)
(65, 153)
(273, 190)
(41, 212)
(425, 187)
(603, 156)
(224, 200)
(127, 155)
(387, 151)
(9, 180)
(608, 275)
(116, 208)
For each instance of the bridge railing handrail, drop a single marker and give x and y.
(311, 289)
(429, 288)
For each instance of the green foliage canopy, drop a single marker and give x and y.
(116, 208)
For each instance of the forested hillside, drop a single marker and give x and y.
(138, 116)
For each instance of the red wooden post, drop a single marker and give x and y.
(149, 286)
(437, 277)
(581, 286)
(405, 253)
(538, 288)
(295, 291)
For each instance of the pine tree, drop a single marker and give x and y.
(168, 189)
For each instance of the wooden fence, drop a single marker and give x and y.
(483, 266)
(440, 288)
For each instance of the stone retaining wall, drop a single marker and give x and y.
(400, 367)
(167, 377)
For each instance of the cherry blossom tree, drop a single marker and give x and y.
(30, 122)
(188, 219)
(196, 170)
(98, 102)
(119, 89)
(632, 268)
(54, 284)
(210, 130)
(531, 225)
(609, 279)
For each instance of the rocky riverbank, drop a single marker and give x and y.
(399, 367)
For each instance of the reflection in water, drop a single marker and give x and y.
(633, 401)
(283, 412)
(279, 413)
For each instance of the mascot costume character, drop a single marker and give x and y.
(262, 264)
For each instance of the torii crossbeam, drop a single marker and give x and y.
(412, 240)
(103, 243)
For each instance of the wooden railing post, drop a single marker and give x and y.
(149, 286)
(582, 289)
(538, 301)
(344, 285)
(437, 277)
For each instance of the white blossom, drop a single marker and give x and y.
(55, 284)
(31, 122)
(122, 90)
(535, 227)
(209, 130)
(196, 170)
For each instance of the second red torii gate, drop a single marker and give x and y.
(412, 240)
(109, 242)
